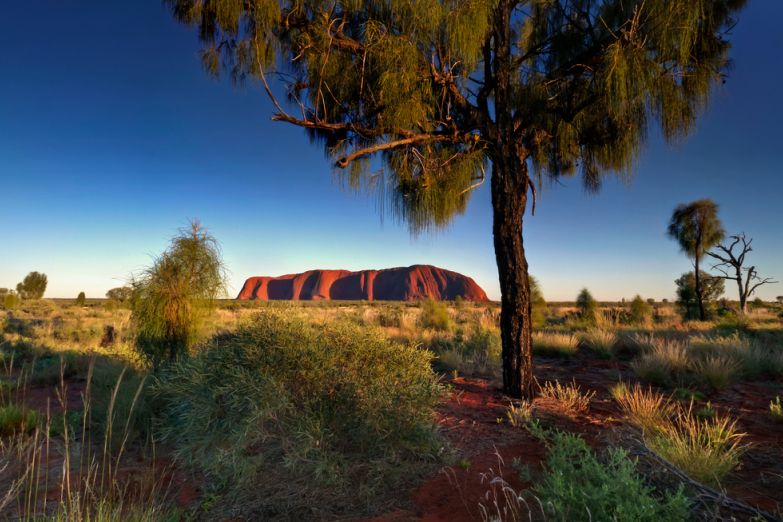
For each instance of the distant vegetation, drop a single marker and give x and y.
(33, 286)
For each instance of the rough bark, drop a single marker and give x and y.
(509, 197)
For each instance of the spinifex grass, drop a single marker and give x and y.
(646, 409)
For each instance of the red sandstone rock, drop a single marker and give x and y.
(392, 284)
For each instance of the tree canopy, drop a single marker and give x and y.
(420, 82)
(33, 286)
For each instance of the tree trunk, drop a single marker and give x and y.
(698, 290)
(509, 197)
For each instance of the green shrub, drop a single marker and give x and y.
(435, 315)
(587, 305)
(641, 311)
(578, 487)
(15, 419)
(10, 301)
(301, 419)
(478, 354)
(81, 299)
(664, 362)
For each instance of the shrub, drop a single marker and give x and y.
(81, 299)
(15, 419)
(645, 408)
(300, 419)
(587, 305)
(576, 486)
(641, 311)
(390, 317)
(555, 344)
(173, 296)
(570, 396)
(600, 341)
(435, 315)
(712, 288)
(705, 448)
(478, 354)
(10, 301)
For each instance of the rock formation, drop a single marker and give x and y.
(392, 284)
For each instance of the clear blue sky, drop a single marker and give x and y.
(112, 137)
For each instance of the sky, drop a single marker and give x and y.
(112, 137)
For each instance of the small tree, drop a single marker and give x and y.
(173, 296)
(586, 304)
(81, 299)
(641, 310)
(120, 294)
(747, 279)
(32, 286)
(712, 289)
(696, 227)
(779, 299)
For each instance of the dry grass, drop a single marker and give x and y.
(716, 371)
(519, 414)
(664, 362)
(646, 409)
(570, 396)
(706, 449)
(600, 341)
(555, 344)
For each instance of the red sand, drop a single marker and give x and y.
(392, 284)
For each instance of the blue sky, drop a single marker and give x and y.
(112, 137)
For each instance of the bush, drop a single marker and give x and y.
(32, 286)
(587, 305)
(81, 299)
(15, 419)
(641, 311)
(716, 371)
(478, 354)
(10, 301)
(578, 487)
(302, 420)
(645, 408)
(435, 315)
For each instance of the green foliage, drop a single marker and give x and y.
(696, 227)
(426, 70)
(15, 419)
(435, 315)
(555, 344)
(712, 287)
(81, 299)
(306, 420)
(32, 286)
(478, 354)
(576, 486)
(641, 311)
(10, 300)
(173, 297)
(587, 305)
(540, 310)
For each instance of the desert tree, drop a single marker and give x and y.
(33, 286)
(696, 228)
(172, 297)
(81, 299)
(692, 307)
(437, 91)
(121, 294)
(731, 265)
(779, 299)
(641, 311)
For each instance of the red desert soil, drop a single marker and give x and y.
(411, 283)
(490, 448)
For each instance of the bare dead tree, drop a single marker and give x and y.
(747, 278)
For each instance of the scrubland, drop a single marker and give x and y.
(354, 410)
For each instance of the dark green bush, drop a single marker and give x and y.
(302, 420)
(435, 315)
(576, 486)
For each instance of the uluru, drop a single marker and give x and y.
(411, 283)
